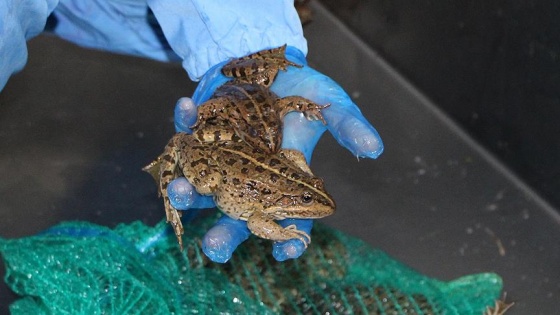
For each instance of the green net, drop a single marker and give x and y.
(82, 268)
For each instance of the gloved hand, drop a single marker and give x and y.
(344, 121)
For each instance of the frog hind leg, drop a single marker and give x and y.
(211, 109)
(153, 169)
(213, 133)
(259, 68)
(264, 226)
(253, 72)
(310, 109)
(199, 167)
(277, 53)
(164, 169)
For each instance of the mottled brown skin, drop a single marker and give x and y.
(245, 183)
(259, 68)
(254, 113)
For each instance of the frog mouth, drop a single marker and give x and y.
(288, 207)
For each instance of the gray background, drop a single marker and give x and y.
(492, 66)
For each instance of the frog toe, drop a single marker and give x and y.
(301, 235)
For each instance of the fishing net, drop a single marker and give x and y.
(82, 268)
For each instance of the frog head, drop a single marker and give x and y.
(307, 201)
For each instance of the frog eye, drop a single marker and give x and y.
(306, 198)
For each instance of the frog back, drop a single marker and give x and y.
(254, 115)
(266, 182)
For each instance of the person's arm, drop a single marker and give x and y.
(20, 20)
(119, 26)
(226, 29)
(205, 33)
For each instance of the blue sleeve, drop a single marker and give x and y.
(198, 32)
(20, 20)
(204, 33)
(120, 26)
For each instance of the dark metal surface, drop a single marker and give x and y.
(77, 125)
(493, 66)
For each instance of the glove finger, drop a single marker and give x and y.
(344, 120)
(222, 239)
(293, 248)
(301, 134)
(183, 196)
(185, 114)
(209, 83)
(350, 128)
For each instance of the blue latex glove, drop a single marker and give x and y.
(344, 121)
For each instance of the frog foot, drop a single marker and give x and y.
(277, 57)
(174, 218)
(314, 112)
(264, 226)
(300, 235)
(310, 109)
(284, 63)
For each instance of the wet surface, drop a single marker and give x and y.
(77, 125)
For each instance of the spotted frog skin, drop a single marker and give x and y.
(245, 184)
(247, 107)
(259, 68)
(253, 112)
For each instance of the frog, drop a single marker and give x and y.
(253, 112)
(245, 184)
(249, 107)
(258, 68)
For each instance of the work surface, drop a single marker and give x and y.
(76, 127)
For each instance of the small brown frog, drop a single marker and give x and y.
(259, 68)
(245, 184)
(248, 107)
(253, 112)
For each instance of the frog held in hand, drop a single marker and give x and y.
(234, 154)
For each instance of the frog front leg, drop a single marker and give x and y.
(310, 109)
(264, 226)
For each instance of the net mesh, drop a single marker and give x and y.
(82, 268)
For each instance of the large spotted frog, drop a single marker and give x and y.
(246, 108)
(245, 183)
